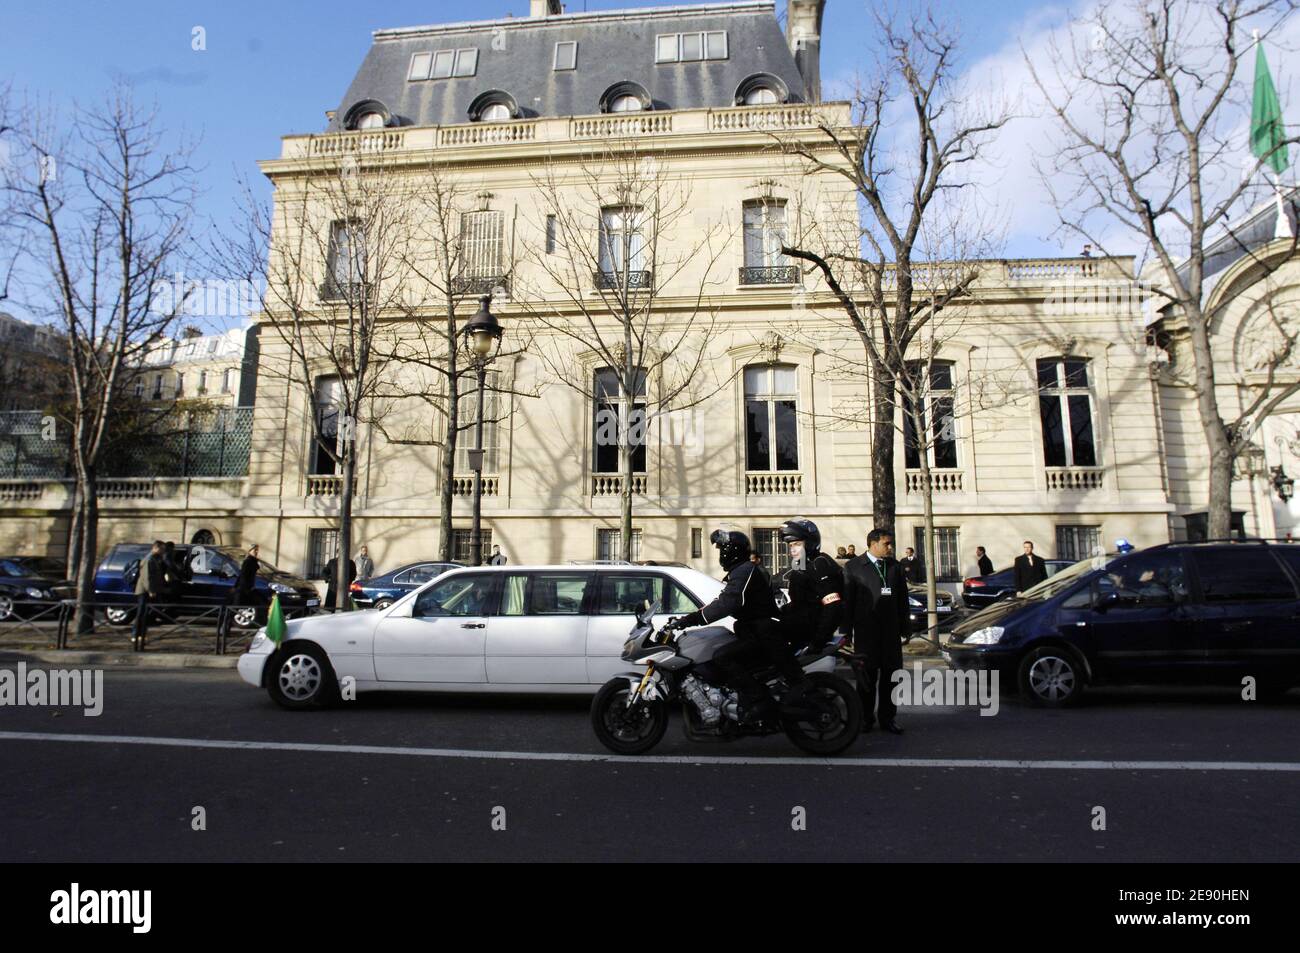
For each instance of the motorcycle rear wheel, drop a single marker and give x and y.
(623, 731)
(838, 728)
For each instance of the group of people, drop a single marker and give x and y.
(864, 600)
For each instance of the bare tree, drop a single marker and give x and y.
(1150, 101)
(106, 210)
(334, 247)
(627, 272)
(876, 265)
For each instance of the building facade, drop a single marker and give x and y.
(1055, 417)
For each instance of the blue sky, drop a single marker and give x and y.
(273, 68)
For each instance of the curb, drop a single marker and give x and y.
(161, 660)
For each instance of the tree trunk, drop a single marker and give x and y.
(445, 495)
(1219, 502)
(883, 499)
(341, 580)
(88, 491)
(75, 516)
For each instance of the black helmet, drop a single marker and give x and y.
(733, 547)
(802, 529)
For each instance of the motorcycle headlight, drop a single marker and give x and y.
(281, 587)
(989, 635)
(36, 593)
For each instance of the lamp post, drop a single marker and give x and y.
(1283, 484)
(482, 339)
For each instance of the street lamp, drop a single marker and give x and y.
(1283, 484)
(482, 339)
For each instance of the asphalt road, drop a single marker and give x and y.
(131, 796)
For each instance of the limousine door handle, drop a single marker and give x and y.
(473, 625)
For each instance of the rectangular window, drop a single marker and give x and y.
(621, 240)
(697, 543)
(625, 594)
(566, 55)
(226, 377)
(1065, 410)
(666, 48)
(947, 561)
(443, 63)
(420, 63)
(551, 229)
(937, 407)
(461, 548)
(322, 544)
(158, 387)
(1077, 542)
(180, 384)
(616, 415)
(467, 415)
(764, 234)
(772, 552)
(771, 419)
(347, 256)
(715, 45)
(139, 387)
(609, 544)
(466, 62)
(329, 398)
(482, 244)
(553, 593)
(692, 46)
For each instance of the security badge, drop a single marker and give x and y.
(886, 591)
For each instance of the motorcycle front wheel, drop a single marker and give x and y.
(837, 721)
(623, 730)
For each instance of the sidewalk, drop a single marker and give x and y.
(77, 658)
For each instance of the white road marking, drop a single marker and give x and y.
(996, 763)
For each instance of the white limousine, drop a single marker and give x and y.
(550, 629)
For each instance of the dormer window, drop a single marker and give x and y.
(625, 97)
(760, 89)
(370, 121)
(566, 54)
(495, 105)
(690, 47)
(367, 114)
(442, 64)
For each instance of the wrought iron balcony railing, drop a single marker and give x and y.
(480, 285)
(769, 275)
(331, 290)
(609, 280)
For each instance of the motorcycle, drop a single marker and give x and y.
(630, 712)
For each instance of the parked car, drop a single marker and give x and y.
(916, 607)
(380, 592)
(29, 585)
(979, 592)
(1193, 613)
(550, 629)
(214, 569)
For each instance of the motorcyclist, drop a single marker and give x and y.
(747, 597)
(816, 586)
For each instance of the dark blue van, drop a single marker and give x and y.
(1192, 613)
(214, 570)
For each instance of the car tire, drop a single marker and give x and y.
(301, 677)
(6, 607)
(1051, 677)
(120, 618)
(244, 617)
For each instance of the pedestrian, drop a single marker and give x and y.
(852, 551)
(913, 567)
(1030, 570)
(331, 579)
(177, 570)
(497, 558)
(150, 588)
(365, 565)
(876, 618)
(246, 581)
(756, 559)
(983, 562)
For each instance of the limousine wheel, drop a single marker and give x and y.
(1051, 677)
(119, 617)
(302, 678)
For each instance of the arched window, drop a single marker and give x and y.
(760, 89)
(760, 96)
(618, 415)
(771, 418)
(204, 537)
(367, 114)
(494, 105)
(371, 121)
(625, 96)
(625, 104)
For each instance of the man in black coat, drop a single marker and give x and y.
(331, 579)
(1030, 569)
(982, 560)
(246, 581)
(913, 567)
(876, 616)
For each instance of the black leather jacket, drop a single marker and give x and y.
(747, 597)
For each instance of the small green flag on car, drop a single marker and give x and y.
(1267, 131)
(275, 628)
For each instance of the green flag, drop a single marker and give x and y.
(1267, 132)
(275, 629)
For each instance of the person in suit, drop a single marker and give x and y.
(1030, 569)
(365, 565)
(331, 579)
(875, 617)
(983, 562)
(497, 558)
(913, 568)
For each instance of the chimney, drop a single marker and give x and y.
(803, 31)
(545, 8)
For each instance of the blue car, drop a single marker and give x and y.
(214, 570)
(380, 592)
(1187, 613)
